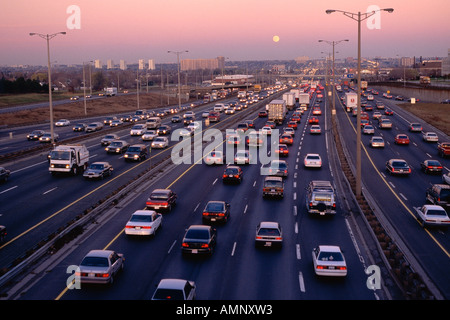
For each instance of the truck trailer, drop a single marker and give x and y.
(276, 111)
(351, 101)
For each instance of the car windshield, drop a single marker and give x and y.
(96, 166)
(159, 140)
(197, 234)
(168, 294)
(270, 232)
(330, 256)
(215, 207)
(141, 218)
(134, 149)
(116, 144)
(109, 137)
(95, 262)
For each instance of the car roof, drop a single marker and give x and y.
(161, 190)
(144, 212)
(433, 207)
(329, 248)
(101, 162)
(172, 284)
(99, 253)
(269, 224)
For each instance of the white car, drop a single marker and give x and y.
(143, 223)
(430, 137)
(268, 234)
(242, 157)
(193, 125)
(446, 178)
(138, 130)
(62, 123)
(215, 157)
(205, 114)
(431, 214)
(116, 123)
(149, 135)
(175, 289)
(312, 160)
(186, 132)
(377, 142)
(266, 130)
(315, 129)
(290, 131)
(160, 142)
(329, 261)
(100, 266)
(47, 137)
(368, 129)
(189, 114)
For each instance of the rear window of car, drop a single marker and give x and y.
(216, 206)
(197, 234)
(95, 262)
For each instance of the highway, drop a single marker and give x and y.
(36, 204)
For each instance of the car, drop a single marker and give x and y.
(62, 123)
(296, 118)
(215, 157)
(364, 122)
(160, 142)
(320, 198)
(4, 174)
(94, 126)
(136, 152)
(79, 127)
(216, 211)
(175, 289)
(430, 137)
(446, 178)
(315, 129)
(328, 260)
(397, 166)
(75, 98)
(149, 135)
(415, 127)
(282, 150)
(271, 124)
(286, 138)
(176, 119)
(289, 130)
(242, 157)
(161, 199)
(110, 119)
(313, 120)
(431, 166)
(277, 168)
(376, 115)
(267, 130)
(116, 123)
(108, 139)
(377, 142)
(262, 114)
(117, 146)
(3, 233)
(292, 124)
(143, 223)
(401, 139)
(273, 187)
(194, 125)
(368, 129)
(98, 170)
(388, 112)
(312, 160)
(432, 215)
(368, 108)
(164, 130)
(47, 137)
(138, 130)
(199, 239)
(230, 110)
(268, 234)
(100, 266)
(250, 123)
(438, 194)
(446, 101)
(385, 124)
(232, 174)
(242, 127)
(233, 139)
(35, 134)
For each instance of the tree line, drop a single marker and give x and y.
(20, 85)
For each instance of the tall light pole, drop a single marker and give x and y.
(178, 64)
(333, 43)
(359, 17)
(48, 37)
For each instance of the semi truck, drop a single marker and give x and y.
(111, 91)
(276, 111)
(351, 101)
(72, 159)
(290, 100)
(304, 100)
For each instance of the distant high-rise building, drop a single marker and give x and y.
(151, 64)
(98, 64)
(123, 65)
(406, 61)
(109, 64)
(205, 64)
(141, 64)
(446, 64)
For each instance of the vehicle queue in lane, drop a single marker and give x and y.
(400, 195)
(247, 209)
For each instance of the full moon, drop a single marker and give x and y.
(276, 38)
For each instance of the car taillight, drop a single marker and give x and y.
(185, 245)
(102, 275)
(205, 245)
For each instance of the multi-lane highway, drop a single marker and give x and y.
(37, 203)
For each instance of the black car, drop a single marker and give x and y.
(4, 174)
(199, 239)
(35, 135)
(439, 194)
(118, 146)
(232, 174)
(431, 166)
(216, 211)
(398, 166)
(163, 130)
(98, 170)
(163, 199)
(3, 233)
(79, 127)
(136, 152)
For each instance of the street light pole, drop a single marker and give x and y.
(359, 17)
(48, 37)
(178, 64)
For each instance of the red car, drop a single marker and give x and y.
(282, 150)
(296, 118)
(313, 120)
(262, 114)
(292, 124)
(401, 139)
(389, 112)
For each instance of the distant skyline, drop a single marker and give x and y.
(236, 29)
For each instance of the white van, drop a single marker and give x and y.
(219, 107)
(153, 123)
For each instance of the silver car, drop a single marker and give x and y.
(175, 289)
(100, 266)
(268, 234)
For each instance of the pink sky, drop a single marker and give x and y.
(236, 29)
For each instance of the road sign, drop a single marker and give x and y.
(350, 75)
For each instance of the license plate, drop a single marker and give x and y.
(268, 244)
(272, 190)
(137, 228)
(91, 275)
(194, 251)
(213, 219)
(231, 176)
(331, 267)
